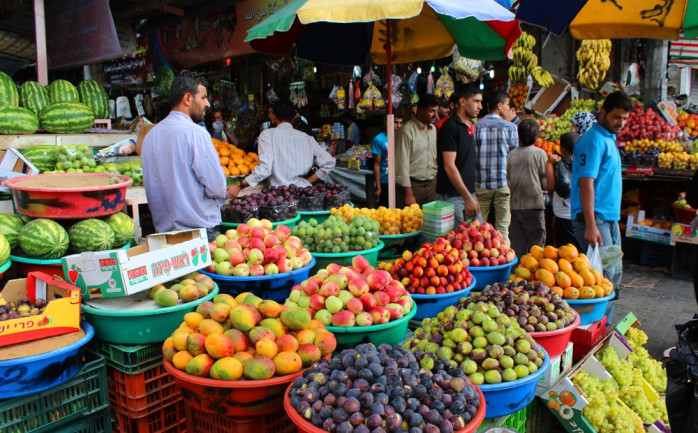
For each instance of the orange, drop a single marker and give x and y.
(549, 265)
(563, 280)
(570, 293)
(224, 151)
(586, 292)
(234, 171)
(565, 266)
(550, 252)
(224, 160)
(537, 252)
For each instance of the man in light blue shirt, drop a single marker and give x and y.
(184, 181)
(597, 183)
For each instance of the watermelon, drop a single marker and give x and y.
(17, 120)
(67, 118)
(43, 157)
(8, 91)
(10, 226)
(94, 96)
(44, 239)
(123, 227)
(63, 91)
(34, 97)
(4, 250)
(91, 235)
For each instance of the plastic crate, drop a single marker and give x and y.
(201, 422)
(515, 421)
(655, 255)
(438, 209)
(48, 410)
(128, 359)
(137, 395)
(98, 422)
(684, 261)
(538, 417)
(167, 419)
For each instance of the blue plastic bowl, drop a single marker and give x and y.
(508, 397)
(431, 305)
(345, 259)
(32, 374)
(488, 275)
(590, 310)
(275, 287)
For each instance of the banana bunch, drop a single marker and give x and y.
(525, 41)
(517, 73)
(524, 61)
(542, 77)
(594, 60)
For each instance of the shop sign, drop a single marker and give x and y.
(129, 70)
(80, 32)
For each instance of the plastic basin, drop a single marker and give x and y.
(590, 310)
(684, 216)
(319, 215)
(488, 275)
(51, 267)
(508, 397)
(234, 398)
(396, 244)
(391, 333)
(275, 287)
(32, 374)
(68, 195)
(324, 259)
(431, 305)
(555, 342)
(290, 223)
(5, 267)
(306, 427)
(140, 327)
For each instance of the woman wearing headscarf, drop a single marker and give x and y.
(582, 121)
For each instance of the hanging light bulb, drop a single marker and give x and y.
(482, 86)
(491, 73)
(314, 69)
(433, 69)
(419, 70)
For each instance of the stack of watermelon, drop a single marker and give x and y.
(60, 109)
(46, 239)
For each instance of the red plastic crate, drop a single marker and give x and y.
(136, 395)
(586, 337)
(167, 419)
(202, 422)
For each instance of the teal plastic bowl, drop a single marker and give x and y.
(391, 333)
(590, 310)
(140, 327)
(488, 275)
(431, 305)
(5, 267)
(324, 259)
(290, 223)
(508, 397)
(396, 244)
(319, 215)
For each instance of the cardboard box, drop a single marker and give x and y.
(61, 316)
(164, 257)
(586, 337)
(14, 164)
(669, 111)
(558, 366)
(636, 230)
(548, 98)
(683, 233)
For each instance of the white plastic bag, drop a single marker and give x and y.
(594, 257)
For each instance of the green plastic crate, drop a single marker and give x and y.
(98, 422)
(128, 359)
(84, 394)
(515, 421)
(438, 209)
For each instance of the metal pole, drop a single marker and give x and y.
(40, 29)
(390, 121)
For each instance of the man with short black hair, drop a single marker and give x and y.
(184, 181)
(221, 130)
(286, 155)
(495, 136)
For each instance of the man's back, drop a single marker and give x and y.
(494, 137)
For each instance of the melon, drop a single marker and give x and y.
(44, 239)
(91, 235)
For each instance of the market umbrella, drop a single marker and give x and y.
(345, 32)
(607, 19)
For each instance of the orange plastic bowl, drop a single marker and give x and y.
(305, 427)
(555, 342)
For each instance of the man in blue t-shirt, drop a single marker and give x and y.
(379, 149)
(596, 180)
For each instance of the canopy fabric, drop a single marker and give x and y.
(684, 52)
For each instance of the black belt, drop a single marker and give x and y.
(420, 181)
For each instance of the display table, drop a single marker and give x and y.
(93, 140)
(354, 179)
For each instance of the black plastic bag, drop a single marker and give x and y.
(682, 379)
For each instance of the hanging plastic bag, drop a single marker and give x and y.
(396, 95)
(351, 95)
(444, 85)
(594, 257)
(341, 98)
(123, 108)
(610, 256)
(430, 84)
(412, 82)
(333, 94)
(271, 96)
(468, 70)
(372, 78)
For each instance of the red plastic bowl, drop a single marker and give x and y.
(68, 195)
(555, 342)
(305, 427)
(684, 216)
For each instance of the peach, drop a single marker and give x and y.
(340, 279)
(296, 263)
(284, 265)
(377, 279)
(270, 240)
(257, 232)
(382, 298)
(355, 305)
(256, 256)
(212, 246)
(368, 301)
(344, 319)
(360, 263)
(241, 270)
(329, 288)
(396, 311)
(394, 289)
(305, 257)
(348, 272)
(280, 250)
(282, 232)
(271, 269)
(364, 318)
(310, 287)
(358, 287)
(257, 243)
(324, 317)
(256, 270)
(333, 268)
(244, 242)
(380, 315)
(317, 302)
(270, 255)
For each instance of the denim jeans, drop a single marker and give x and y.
(459, 209)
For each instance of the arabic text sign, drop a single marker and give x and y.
(80, 32)
(129, 70)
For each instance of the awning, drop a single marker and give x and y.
(684, 52)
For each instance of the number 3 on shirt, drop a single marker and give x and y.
(583, 158)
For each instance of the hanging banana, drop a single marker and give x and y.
(594, 60)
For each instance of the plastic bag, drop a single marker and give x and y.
(594, 257)
(444, 85)
(467, 69)
(351, 104)
(271, 96)
(610, 256)
(396, 96)
(333, 94)
(682, 377)
(412, 82)
(430, 83)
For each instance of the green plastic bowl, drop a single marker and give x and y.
(391, 333)
(140, 327)
(5, 267)
(319, 215)
(396, 244)
(324, 259)
(290, 223)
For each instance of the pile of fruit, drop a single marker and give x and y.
(652, 370)
(274, 204)
(682, 203)
(565, 271)
(689, 123)
(518, 91)
(551, 128)
(548, 146)
(356, 295)
(638, 158)
(534, 306)
(321, 196)
(235, 161)
(255, 249)
(247, 337)
(482, 341)
(336, 236)
(74, 159)
(22, 308)
(392, 221)
(134, 170)
(187, 289)
(647, 124)
(369, 389)
(678, 161)
(60, 108)
(434, 269)
(46, 239)
(594, 57)
(480, 245)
